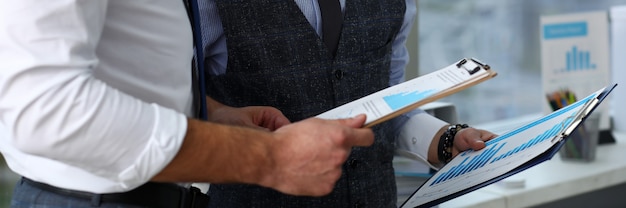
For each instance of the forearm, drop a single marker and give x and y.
(218, 153)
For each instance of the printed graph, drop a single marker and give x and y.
(477, 162)
(400, 100)
(487, 156)
(578, 60)
(494, 146)
(501, 155)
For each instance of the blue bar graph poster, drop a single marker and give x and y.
(502, 154)
(575, 55)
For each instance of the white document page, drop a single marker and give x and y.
(404, 95)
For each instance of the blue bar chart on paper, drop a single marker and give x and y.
(376, 108)
(501, 155)
(399, 100)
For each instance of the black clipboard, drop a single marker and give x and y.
(582, 110)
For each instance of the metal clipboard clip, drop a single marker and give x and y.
(472, 66)
(578, 118)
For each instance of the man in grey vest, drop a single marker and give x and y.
(280, 53)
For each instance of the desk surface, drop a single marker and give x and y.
(553, 180)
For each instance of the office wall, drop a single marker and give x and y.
(412, 44)
(7, 182)
(504, 34)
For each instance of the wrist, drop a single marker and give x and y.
(266, 167)
(446, 142)
(212, 106)
(260, 163)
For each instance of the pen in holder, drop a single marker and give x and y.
(581, 144)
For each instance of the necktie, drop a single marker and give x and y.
(331, 23)
(198, 85)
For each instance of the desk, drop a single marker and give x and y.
(555, 180)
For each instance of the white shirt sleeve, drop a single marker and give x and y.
(416, 135)
(53, 107)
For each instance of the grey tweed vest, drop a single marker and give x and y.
(275, 58)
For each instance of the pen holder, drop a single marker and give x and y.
(581, 145)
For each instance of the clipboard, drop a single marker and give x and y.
(406, 96)
(507, 154)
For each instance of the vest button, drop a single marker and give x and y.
(353, 164)
(359, 205)
(338, 74)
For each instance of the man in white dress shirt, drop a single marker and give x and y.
(95, 110)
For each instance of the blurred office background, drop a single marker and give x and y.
(501, 33)
(7, 181)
